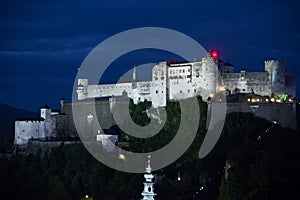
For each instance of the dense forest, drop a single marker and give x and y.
(263, 163)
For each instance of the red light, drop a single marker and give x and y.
(214, 54)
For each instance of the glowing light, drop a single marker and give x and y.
(214, 54)
(257, 100)
(211, 95)
(122, 157)
(267, 100)
(178, 178)
(272, 99)
(222, 88)
(249, 100)
(86, 196)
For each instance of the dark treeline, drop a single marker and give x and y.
(264, 160)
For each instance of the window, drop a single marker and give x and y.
(180, 91)
(156, 91)
(188, 90)
(194, 90)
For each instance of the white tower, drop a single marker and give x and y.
(148, 193)
(134, 74)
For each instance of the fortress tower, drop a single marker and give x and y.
(276, 70)
(209, 76)
(159, 81)
(46, 115)
(82, 89)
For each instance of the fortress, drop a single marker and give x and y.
(252, 92)
(175, 81)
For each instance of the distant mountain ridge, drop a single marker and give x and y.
(9, 114)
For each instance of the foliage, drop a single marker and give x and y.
(264, 168)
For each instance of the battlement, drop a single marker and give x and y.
(207, 59)
(274, 61)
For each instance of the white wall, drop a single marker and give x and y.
(25, 130)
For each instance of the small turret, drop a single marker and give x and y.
(62, 102)
(46, 112)
(82, 88)
(134, 78)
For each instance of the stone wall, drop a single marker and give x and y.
(87, 115)
(26, 129)
(247, 82)
(284, 114)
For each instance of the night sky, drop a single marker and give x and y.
(43, 43)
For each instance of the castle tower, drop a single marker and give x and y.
(46, 115)
(82, 89)
(46, 112)
(276, 70)
(159, 85)
(62, 102)
(134, 78)
(134, 74)
(148, 193)
(209, 76)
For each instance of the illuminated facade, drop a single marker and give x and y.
(175, 81)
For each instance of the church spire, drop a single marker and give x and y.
(148, 193)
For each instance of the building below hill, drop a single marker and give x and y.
(51, 123)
